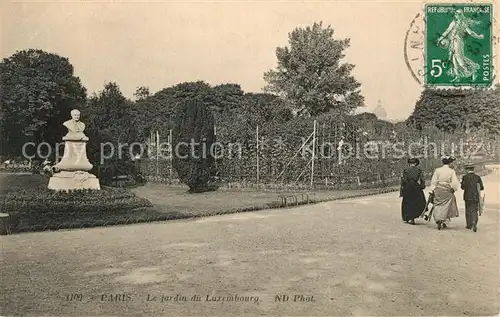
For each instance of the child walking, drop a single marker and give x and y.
(472, 186)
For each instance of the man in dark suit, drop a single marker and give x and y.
(472, 186)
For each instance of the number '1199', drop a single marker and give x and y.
(74, 297)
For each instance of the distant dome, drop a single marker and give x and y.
(379, 111)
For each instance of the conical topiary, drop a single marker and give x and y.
(193, 138)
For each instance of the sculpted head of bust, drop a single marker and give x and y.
(74, 125)
(75, 115)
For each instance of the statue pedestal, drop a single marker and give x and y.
(72, 169)
(74, 157)
(65, 180)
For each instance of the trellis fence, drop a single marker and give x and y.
(326, 154)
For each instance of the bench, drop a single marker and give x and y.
(120, 180)
(4, 223)
(293, 200)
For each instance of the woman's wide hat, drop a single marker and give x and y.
(447, 159)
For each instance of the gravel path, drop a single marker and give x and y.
(351, 257)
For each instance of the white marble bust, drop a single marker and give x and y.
(75, 126)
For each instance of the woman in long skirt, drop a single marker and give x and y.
(444, 184)
(412, 185)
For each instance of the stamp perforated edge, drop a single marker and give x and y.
(494, 31)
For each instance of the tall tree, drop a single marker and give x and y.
(452, 109)
(110, 119)
(158, 111)
(142, 112)
(142, 93)
(228, 97)
(310, 73)
(38, 91)
(263, 107)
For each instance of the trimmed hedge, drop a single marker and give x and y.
(48, 201)
(39, 208)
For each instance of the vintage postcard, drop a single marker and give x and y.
(249, 158)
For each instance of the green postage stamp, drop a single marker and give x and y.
(458, 44)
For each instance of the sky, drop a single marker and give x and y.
(162, 43)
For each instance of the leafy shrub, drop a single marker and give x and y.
(108, 173)
(15, 169)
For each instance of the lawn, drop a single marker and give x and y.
(165, 197)
(33, 208)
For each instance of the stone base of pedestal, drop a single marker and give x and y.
(73, 180)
